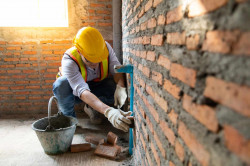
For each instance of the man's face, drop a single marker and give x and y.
(88, 63)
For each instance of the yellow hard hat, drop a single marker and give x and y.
(91, 44)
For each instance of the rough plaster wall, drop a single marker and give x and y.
(30, 56)
(192, 80)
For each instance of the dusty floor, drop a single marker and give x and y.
(19, 144)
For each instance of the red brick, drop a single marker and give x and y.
(33, 87)
(7, 66)
(164, 61)
(63, 42)
(29, 71)
(6, 82)
(156, 76)
(29, 43)
(106, 150)
(11, 59)
(142, 112)
(142, 83)
(162, 102)
(35, 97)
(186, 75)
(13, 71)
(171, 88)
(104, 0)
(201, 7)
(193, 144)
(229, 94)
(167, 131)
(151, 55)
(236, 143)
(13, 48)
(148, 5)
(137, 5)
(242, 47)
(17, 53)
(156, 156)
(150, 125)
(152, 23)
(52, 58)
(160, 146)
(144, 26)
(192, 42)
(146, 71)
(174, 15)
(152, 110)
(146, 40)
(33, 59)
(20, 97)
(141, 13)
(29, 52)
(204, 114)
(157, 2)
(150, 91)
(4, 87)
(88, 24)
(46, 41)
(148, 158)
(96, 17)
(17, 87)
(2, 71)
(103, 12)
(91, 11)
(220, 41)
(96, 5)
(157, 40)
(2, 42)
(46, 52)
(80, 147)
(59, 52)
(173, 116)
(161, 20)
(112, 138)
(176, 38)
(179, 150)
(107, 18)
(145, 132)
(143, 142)
(104, 24)
(19, 76)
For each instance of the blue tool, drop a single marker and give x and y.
(128, 69)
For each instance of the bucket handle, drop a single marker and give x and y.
(49, 107)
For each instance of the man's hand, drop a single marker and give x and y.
(120, 96)
(118, 118)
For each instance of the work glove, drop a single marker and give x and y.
(118, 118)
(120, 96)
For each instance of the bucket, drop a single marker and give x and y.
(55, 133)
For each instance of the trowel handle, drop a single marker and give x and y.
(49, 106)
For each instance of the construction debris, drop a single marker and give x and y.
(111, 138)
(109, 149)
(80, 147)
(94, 140)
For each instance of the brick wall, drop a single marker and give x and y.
(30, 57)
(192, 80)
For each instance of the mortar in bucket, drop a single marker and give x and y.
(55, 133)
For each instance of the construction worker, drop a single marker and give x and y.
(85, 77)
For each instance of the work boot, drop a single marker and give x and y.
(95, 117)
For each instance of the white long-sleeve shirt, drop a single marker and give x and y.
(71, 70)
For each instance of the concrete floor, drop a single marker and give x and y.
(19, 144)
